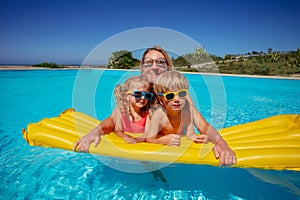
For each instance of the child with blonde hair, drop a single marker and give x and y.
(173, 118)
(133, 99)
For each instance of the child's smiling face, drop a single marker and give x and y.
(138, 103)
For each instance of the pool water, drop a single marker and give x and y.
(46, 173)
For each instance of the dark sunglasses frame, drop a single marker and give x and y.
(169, 96)
(139, 94)
(160, 62)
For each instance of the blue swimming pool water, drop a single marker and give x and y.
(44, 173)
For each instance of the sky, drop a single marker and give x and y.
(67, 31)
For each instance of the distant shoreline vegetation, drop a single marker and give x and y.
(48, 65)
(54, 65)
(262, 63)
(270, 63)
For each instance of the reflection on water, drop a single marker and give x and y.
(287, 180)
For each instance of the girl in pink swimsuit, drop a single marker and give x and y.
(131, 116)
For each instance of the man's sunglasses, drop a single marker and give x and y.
(139, 94)
(171, 95)
(160, 62)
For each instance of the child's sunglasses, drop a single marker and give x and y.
(139, 94)
(171, 95)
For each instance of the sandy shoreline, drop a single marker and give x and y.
(295, 77)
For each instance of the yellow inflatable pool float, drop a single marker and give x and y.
(271, 143)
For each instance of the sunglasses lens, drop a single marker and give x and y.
(148, 62)
(137, 94)
(182, 93)
(147, 65)
(170, 96)
(161, 61)
(148, 96)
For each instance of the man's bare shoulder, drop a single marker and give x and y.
(157, 108)
(158, 112)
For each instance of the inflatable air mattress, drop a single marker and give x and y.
(271, 143)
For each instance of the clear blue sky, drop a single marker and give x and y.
(65, 31)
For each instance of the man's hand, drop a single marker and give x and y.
(224, 153)
(83, 144)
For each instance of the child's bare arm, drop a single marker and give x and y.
(197, 138)
(169, 139)
(157, 123)
(154, 127)
(190, 132)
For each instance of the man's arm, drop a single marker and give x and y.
(94, 136)
(221, 149)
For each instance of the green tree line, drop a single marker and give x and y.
(47, 65)
(270, 63)
(254, 63)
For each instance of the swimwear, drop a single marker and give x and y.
(134, 127)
